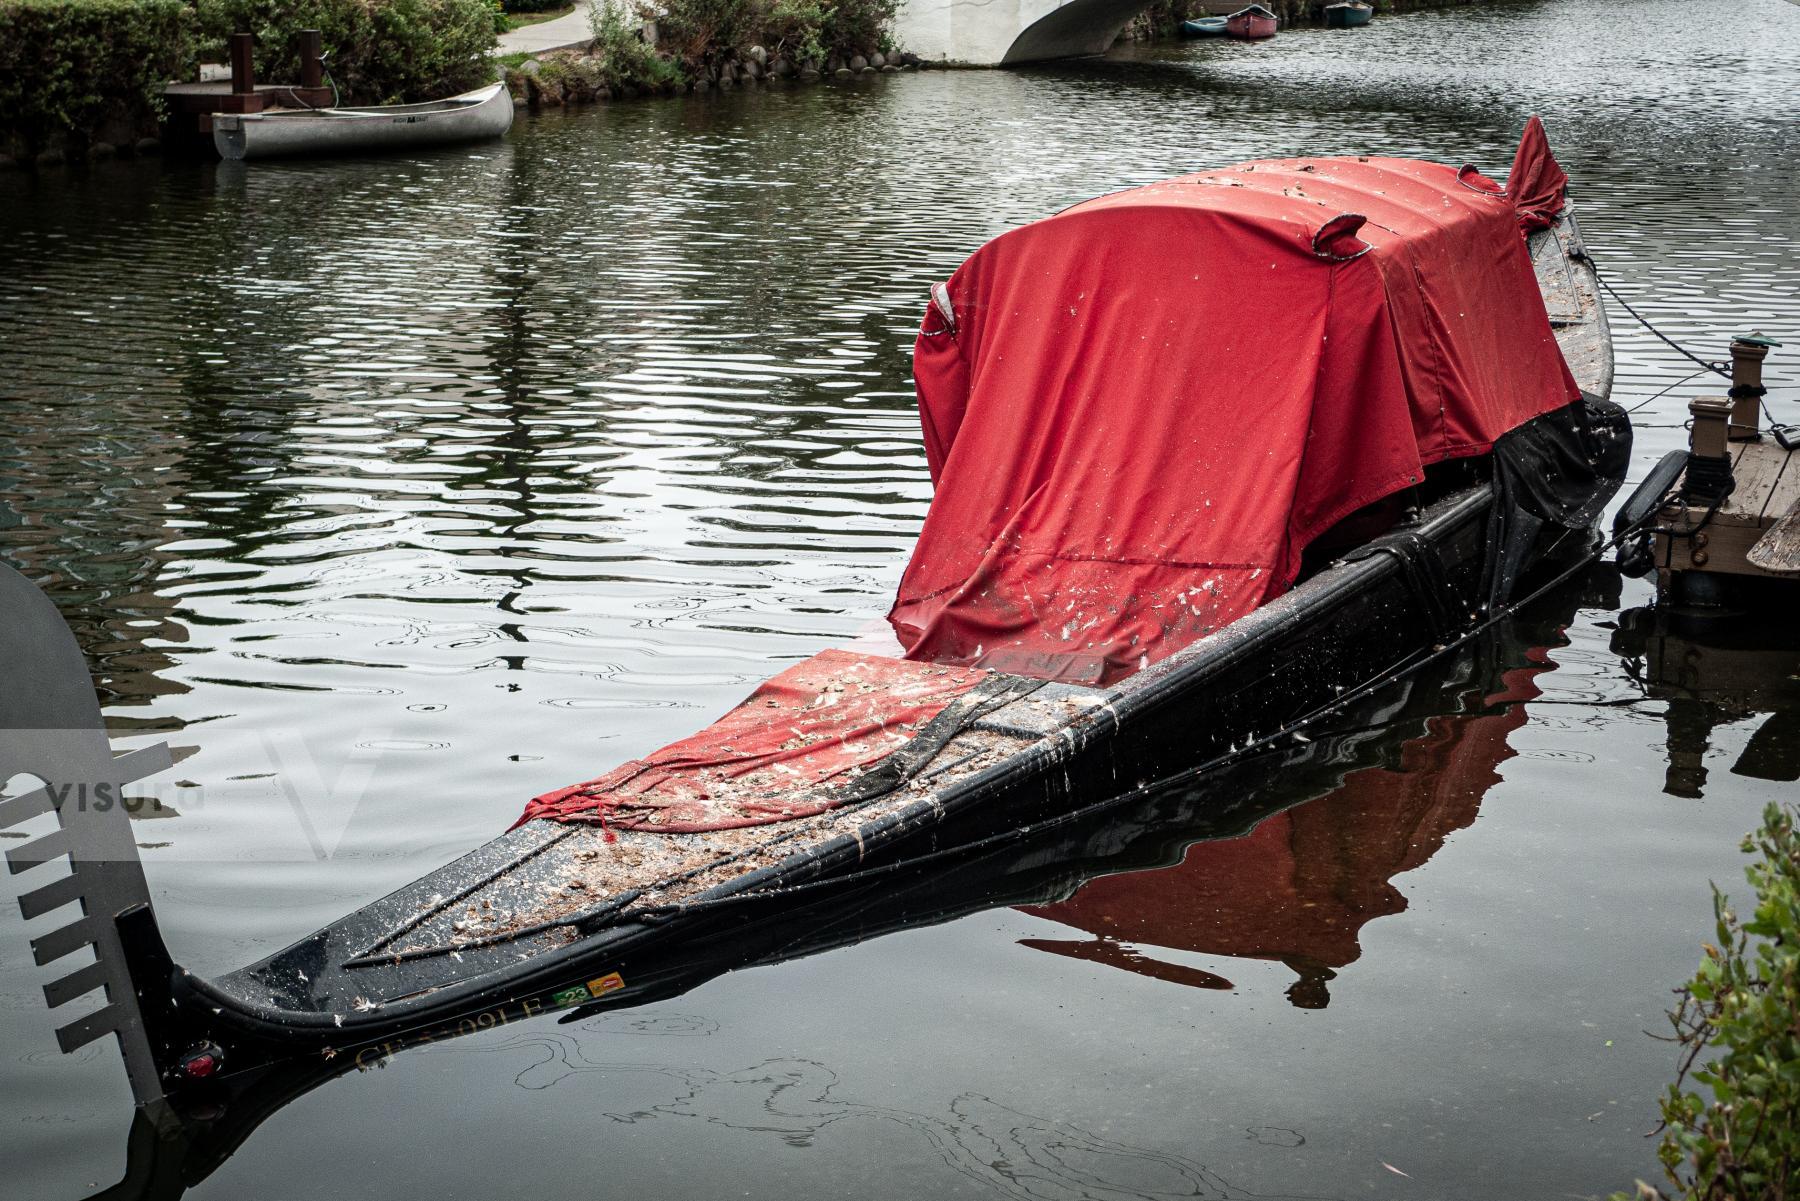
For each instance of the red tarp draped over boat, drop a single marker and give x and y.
(767, 760)
(1147, 408)
(1149, 404)
(1537, 185)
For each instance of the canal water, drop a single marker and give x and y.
(412, 487)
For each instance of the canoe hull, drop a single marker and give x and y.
(473, 116)
(1347, 16)
(1204, 27)
(1251, 24)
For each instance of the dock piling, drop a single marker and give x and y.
(243, 65)
(311, 59)
(1708, 477)
(1747, 354)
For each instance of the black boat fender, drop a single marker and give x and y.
(1636, 555)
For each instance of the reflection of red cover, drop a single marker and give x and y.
(1300, 887)
(1150, 403)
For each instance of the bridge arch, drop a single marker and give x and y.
(1076, 28)
(1004, 32)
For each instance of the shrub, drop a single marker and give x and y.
(380, 51)
(695, 30)
(1743, 1006)
(797, 29)
(858, 26)
(73, 70)
(625, 57)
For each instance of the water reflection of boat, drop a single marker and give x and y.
(1299, 888)
(1427, 737)
(1714, 668)
(1441, 460)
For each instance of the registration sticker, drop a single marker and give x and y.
(575, 995)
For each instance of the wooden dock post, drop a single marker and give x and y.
(244, 96)
(243, 64)
(1747, 355)
(1708, 476)
(312, 68)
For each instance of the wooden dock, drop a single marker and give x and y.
(191, 105)
(1736, 508)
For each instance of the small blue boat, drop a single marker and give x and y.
(1203, 27)
(1348, 14)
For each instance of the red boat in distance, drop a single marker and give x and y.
(1251, 23)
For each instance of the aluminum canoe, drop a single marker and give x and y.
(473, 116)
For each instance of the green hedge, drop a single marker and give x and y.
(75, 71)
(379, 51)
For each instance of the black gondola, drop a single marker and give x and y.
(1458, 712)
(505, 932)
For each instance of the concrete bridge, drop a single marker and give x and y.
(998, 32)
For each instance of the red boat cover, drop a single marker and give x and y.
(767, 760)
(1537, 185)
(1147, 406)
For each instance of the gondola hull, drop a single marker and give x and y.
(519, 926)
(387, 968)
(1153, 828)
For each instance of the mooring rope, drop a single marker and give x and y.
(1715, 368)
(1664, 392)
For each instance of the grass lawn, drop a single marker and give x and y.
(521, 20)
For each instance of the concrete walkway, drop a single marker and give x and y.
(572, 30)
